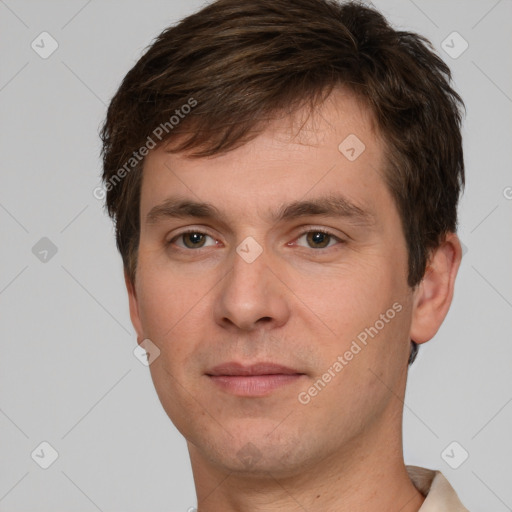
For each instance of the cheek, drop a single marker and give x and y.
(351, 298)
(166, 300)
(176, 312)
(170, 313)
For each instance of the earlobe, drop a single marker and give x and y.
(433, 296)
(134, 307)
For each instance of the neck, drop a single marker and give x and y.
(369, 475)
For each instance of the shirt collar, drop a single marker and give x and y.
(440, 495)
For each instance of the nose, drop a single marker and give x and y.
(252, 296)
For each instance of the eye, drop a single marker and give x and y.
(192, 240)
(319, 239)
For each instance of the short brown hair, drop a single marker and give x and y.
(241, 62)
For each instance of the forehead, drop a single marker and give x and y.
(334, 148)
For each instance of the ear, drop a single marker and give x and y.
(134, 307)
(433, 295)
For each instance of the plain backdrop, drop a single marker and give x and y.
(68, 375)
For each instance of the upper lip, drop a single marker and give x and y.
(263, 368)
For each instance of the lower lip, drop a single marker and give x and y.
(254, 385)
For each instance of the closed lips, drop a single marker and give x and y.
(238, 369)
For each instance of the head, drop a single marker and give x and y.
(241, 124)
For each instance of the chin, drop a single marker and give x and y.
(255, 452)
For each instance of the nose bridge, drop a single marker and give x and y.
(250, 294)
(249, 279)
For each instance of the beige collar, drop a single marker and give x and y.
(440, 495)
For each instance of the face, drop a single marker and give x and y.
(273, 280)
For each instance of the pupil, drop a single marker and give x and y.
(194, 238)
(319, 238)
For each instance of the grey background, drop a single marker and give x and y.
(68, 375)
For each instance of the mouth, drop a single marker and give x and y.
(255, 380)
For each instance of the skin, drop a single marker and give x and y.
(300, 304)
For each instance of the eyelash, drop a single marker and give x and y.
(314, 230)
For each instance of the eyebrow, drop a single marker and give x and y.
(326, 206)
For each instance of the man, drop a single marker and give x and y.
(284, 177)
